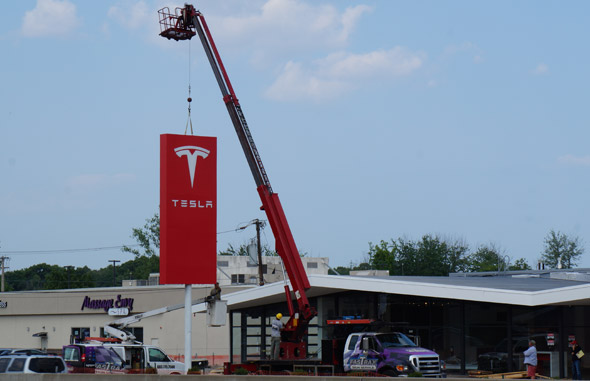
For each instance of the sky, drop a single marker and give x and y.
(374, 120)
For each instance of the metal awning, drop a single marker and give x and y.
(40, 334)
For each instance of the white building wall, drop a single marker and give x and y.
(57, 312)
(243, 270)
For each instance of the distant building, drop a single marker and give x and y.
(242, 270)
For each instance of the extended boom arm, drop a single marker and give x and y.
(182, 25)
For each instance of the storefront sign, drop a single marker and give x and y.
(188, 209)
(106, 304)
(118, 311)
(3, 304)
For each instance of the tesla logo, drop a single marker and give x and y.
(191, 153)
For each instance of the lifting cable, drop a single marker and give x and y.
(189, 99)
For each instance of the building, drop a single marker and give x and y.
(473, 321)
(51, 319)
(237, 270)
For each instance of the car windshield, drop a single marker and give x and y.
(389, 340)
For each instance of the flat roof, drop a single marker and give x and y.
(517, 290)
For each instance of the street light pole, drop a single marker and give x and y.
(114, 270)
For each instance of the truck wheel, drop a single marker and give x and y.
(389, 373)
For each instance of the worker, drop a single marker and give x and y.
(216, 292)
(275, 336)
(530, 360)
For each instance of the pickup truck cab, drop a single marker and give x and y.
(390, 354)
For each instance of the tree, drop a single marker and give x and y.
(487, 258)
(147, 237)
(242, 250)
(520, 264)
(431, 255)
(560, 248)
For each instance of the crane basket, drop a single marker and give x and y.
(172, 25)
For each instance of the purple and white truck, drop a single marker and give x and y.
(391, 354)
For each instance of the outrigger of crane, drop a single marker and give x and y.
(184, 24)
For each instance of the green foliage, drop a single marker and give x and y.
(241, 371)
(558, 246)
(53, 277)
(415, 374)
(49, 277)
(487, 258)
(519, 264)
(147, 237)
(139, 268)
(431, 256)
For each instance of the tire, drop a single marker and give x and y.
(389, 373)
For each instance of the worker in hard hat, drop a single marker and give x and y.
(275, 336)
(216, 292)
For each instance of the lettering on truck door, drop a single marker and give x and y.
(159, 360)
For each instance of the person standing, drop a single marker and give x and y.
(275, 337)
(577, 354)
(530, 360)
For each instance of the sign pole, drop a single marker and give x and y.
(187, 327)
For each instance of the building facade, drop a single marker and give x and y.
(472, 322)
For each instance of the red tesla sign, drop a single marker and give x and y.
(188, 209)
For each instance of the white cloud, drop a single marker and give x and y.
(132, 15)
(289, 24)
(574, 160)
(541, 69)
(297, 83)
(50, 18)
(341, 72)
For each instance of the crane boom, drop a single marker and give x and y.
(117, 328)
(182, 25)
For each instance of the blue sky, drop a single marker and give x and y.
(374, 119)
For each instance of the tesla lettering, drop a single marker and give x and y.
(191, 153)
(192, 204)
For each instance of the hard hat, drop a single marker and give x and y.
(279, 315)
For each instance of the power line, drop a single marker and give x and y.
(72, 251)
(65, 250)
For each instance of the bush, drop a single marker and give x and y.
(240, 371)
(415, 374)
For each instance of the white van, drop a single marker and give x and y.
(140, 357)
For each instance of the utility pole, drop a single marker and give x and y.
(68, 268)
(2, 268)
(114, 270)
(259, 224)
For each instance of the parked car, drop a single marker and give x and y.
(21, 363)
(27, 352)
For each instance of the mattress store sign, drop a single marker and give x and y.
(106, 304)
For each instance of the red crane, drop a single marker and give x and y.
(184, 24)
